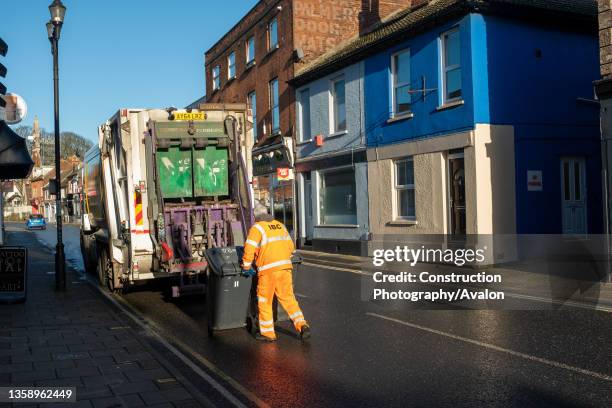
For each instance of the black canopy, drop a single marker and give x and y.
(15, 160)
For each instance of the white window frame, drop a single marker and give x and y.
(444, 68)
(303, 137)
(395, 85)
(231, 65)
(253, 95)
(216, 77)
(401, 187)
(250, 59)
(272, 46)
(333, 112)
(273, 106)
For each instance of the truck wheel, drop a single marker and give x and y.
(103, 266)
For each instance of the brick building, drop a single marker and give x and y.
(254, 61)
(603, 89)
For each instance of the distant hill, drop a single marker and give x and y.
(70, 144)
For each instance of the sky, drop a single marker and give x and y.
(113, 54)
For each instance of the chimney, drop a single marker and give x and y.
(369, 15)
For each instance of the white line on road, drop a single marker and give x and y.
(497, 348)
(567, 303)
(336, 268)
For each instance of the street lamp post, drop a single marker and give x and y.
(54, 26)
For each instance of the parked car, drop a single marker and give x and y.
(36, 221)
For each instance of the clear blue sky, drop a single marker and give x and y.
(113, 53)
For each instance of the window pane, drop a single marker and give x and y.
(274, 105)
(251, 49)
(577, 182)
(402, 68)
(452, 49)
(566, 181)
(453, 84)
(305, 114)
(405, 205)
(339, 106)
(272, 30)
(402, 99)
(404, 172)
(231, 62)
(339, 205)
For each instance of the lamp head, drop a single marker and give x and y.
(57, 11)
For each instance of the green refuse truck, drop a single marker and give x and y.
(161, 187)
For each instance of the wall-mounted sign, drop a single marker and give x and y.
(284, 173)
(13, 274)
(534, 180)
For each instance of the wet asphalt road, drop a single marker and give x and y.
(362, 354)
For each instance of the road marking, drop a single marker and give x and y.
(568, 303)
(497, 348)
(149, 326)
(336, 268)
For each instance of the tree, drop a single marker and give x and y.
(70, 144)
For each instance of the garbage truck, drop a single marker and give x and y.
(161, 187)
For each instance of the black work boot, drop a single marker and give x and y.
(261, 337)
(305, 332)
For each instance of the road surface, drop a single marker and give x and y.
(363, 355)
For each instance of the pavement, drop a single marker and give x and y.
(370, 354)
(80, 339)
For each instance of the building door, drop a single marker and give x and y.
(573, 191)
(456, 177)
(308, 225)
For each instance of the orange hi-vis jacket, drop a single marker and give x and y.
(270, 245)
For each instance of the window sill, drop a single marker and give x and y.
(230, 80)
(337, 226)
(400, 117)
(400, 223)
(450, 105)
(337, 134)
(249, 65)
(272, 50)
(304, 142)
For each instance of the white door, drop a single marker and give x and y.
(573, 195)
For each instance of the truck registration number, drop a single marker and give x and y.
(189, 116)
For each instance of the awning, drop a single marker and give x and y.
(15, 160)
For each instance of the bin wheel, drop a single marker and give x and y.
(251, 326)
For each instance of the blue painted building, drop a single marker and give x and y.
(479, 118)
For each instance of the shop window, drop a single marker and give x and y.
(337, 197)
(404, 190)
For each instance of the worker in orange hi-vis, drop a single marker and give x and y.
(270, 246)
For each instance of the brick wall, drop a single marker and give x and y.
(315, 26)
(605, 37)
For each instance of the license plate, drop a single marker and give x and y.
(189, 116)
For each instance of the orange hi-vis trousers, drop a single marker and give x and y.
(279, 283)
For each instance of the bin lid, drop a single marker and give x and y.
(225, 261)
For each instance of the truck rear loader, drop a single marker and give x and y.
(161, 187)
